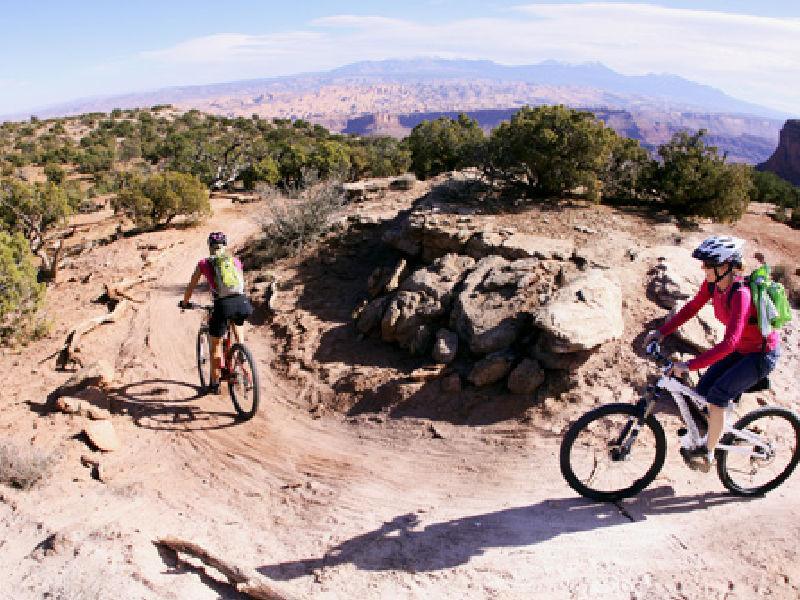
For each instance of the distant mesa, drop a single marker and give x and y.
(390, 97)
(785, 161)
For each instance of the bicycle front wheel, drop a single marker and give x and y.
(204, 357)
(243, 382)
(605, 455)
(756, 466)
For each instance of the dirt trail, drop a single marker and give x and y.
(336, 508)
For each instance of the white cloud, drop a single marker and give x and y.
(750, 57)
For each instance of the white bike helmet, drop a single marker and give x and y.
(720, 249)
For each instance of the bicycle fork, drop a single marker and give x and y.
(621, 447)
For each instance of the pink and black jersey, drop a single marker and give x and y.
(207, 269)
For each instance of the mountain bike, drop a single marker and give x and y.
(238, 366)
(615, 451)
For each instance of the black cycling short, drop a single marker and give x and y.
(234, 308)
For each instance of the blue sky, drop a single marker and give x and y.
(56, 51)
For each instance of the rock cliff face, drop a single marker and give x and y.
(785, 161)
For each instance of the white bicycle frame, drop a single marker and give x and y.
(680, 393)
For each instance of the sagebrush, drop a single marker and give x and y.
(291, 225)
(23, 467)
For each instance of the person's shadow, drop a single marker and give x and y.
(400, 545)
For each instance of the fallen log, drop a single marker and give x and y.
(68, 354)
(118, 291)
(245, 581)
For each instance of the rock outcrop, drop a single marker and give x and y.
(785, 161)
(423, 298)
(583, 314)
(429, 236)
(675, 278)
(497, 298)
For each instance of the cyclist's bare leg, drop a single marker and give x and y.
(238, 333)
(216, 359)
(716, 421)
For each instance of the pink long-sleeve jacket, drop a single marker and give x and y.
(737, 314)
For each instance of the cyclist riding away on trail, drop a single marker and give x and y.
(743, 357)
(225, 277)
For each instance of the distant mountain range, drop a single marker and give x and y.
(385, 97)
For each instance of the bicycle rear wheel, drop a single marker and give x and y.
(765, 466)
(204, 357)
(602, 459)
(243, 382)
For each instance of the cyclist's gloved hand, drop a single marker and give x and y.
(184, 305)
(652, 336)
(679, 369)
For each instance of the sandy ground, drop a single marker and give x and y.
(330, 506)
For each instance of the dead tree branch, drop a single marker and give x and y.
(246, 581)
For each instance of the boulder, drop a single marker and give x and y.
(386, 279)
(102, 435)
(99, 374)
(526, 377)
(497, 298)
(675, 277)
(542, 351)
(451, 384)
(483, 244)
(701, 332)
(440, 279)
(445, 347)
(372, 314)
(423, 298)
(583, 314)
(491, 369)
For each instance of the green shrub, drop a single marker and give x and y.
(21, 295)
(693, 180)
(550, 150)
(768, 187)
(445, 144)
(160, 198)
(54, 173)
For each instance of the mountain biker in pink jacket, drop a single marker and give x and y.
(743, 357)
(235, 307)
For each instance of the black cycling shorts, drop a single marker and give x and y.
(234, 308)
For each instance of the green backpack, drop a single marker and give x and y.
(228, 278)
(770, 300)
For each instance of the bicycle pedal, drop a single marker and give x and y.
(696, 462)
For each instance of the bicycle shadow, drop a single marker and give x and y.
(400, 544)
(166, 405)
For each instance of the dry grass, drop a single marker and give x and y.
(22, 466)
(292, 225)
